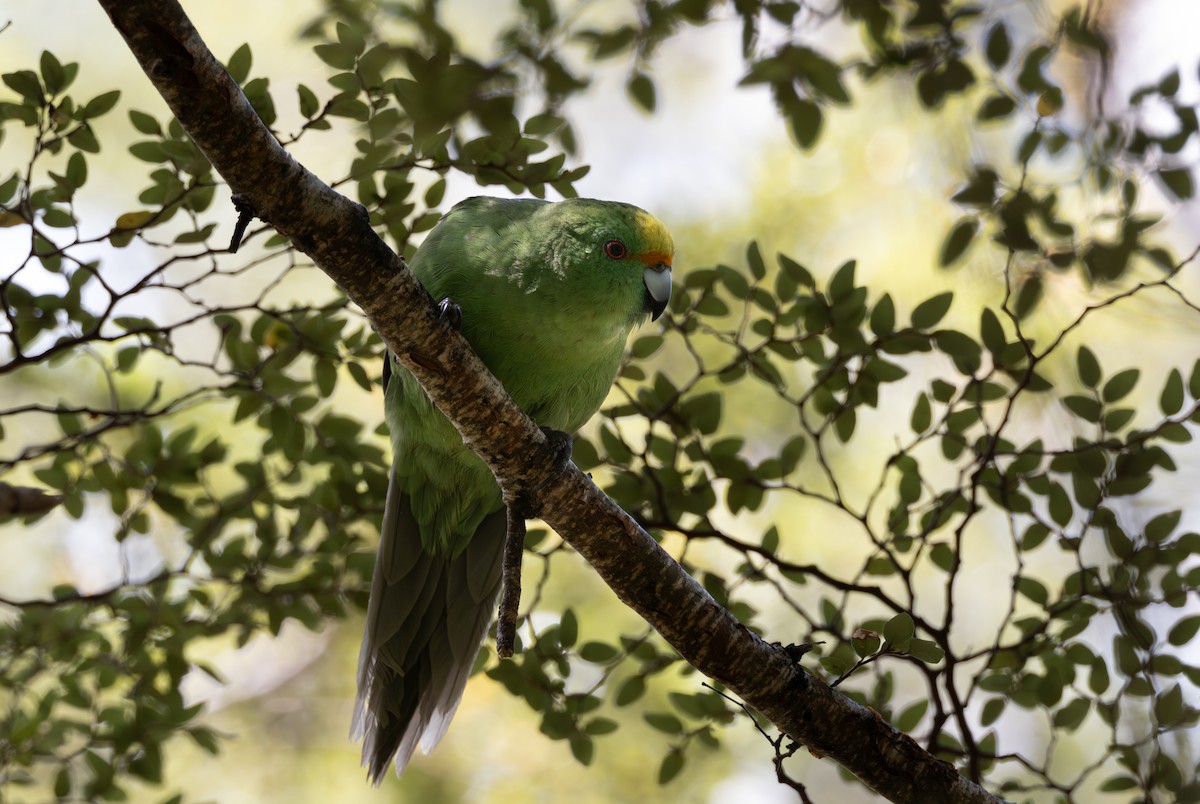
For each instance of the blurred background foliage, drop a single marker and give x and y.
(926, 393)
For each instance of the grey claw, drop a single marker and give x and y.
(451, 313)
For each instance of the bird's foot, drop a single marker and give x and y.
(560, 444)
(450, 313)
(558, 447)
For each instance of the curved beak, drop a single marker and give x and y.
(658, 288)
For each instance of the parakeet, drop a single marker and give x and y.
(549, 293)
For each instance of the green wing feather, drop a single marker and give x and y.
(548, 308)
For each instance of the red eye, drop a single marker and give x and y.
(615, 249)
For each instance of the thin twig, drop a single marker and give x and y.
(776, 743)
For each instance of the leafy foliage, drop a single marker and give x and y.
(737, 434)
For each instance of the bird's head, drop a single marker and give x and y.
(616, 254)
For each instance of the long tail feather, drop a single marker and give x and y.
(425, 621)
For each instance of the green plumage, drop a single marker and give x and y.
(549, 294)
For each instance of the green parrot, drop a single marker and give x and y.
(549, 293)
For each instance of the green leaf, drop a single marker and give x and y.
(1032, 589)
(841, 284)
(899, 630)
(1071, 716)
(633, 688)
(844, 425)
(144, 123)
(703, 412)
(1116, 420)
(557, 725)
(206, 738)
(1035, 534)
(1120, 384)
(995, 107)
(922, 415)
(336, 55)
(1098, 678)
(149, 152)
(1061, 509)
(884, 371)
(804, 121)
(351, 36)
(582, 748)
(53, 74)
(942, 557)
(802, 276)
(911, 715)
(929, 312)
(309, 105)
(998, 46)
(641, 91)
(26, 84)
(1184, 631)
(600, 726)
(957, 241)
(1161, 526)
(754, 261)
(1088, 367)
(664, 722)
(77, 170)
(960, 346)
(671, 765)
(980, 190)
(598, 652)
(1168, 707)
(1115, 784)
(645, 346)
(62, 781)
(1083, 406)
(134, 220)
(568, 629)
(239, 63)
(883, 316)
(58, 218)
(359, 375)
(325, 376)
(102, 103)
(1179, 182)
(991, 332)
(992, 711)
(770, 542)
(865, 643)
(819, 72)
(792, 452)
(1171, 401)
(925, 650)
(1029, 294)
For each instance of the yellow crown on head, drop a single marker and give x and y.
(659, 248)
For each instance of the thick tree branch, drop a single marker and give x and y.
(336, 233)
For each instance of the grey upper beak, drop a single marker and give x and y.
(658, 289)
